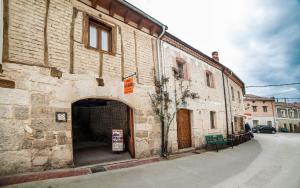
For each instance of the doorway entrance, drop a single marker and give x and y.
(93, 121)
(184, 129)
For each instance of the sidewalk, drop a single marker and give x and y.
(62, 173)
(85, 170)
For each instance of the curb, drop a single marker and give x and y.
(22, 178)
(37, 176)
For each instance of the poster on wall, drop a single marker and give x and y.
(117, 140)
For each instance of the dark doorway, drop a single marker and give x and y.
(92, 123)
(184, 129)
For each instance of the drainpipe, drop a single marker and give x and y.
(158, 51)
(225, 98)
(1, 33)
(160, 72)
(232, 131)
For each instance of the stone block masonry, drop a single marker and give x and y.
(39, 43)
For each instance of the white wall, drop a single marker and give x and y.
(261, 120)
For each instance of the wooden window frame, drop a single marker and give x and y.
(100, 27)
(254, 108)
(104, 25)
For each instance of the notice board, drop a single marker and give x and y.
(117, 140)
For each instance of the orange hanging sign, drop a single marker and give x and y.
(128, 85)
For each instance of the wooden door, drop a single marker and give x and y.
(184, 129)
(131, 133)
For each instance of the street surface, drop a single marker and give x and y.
(268, 161)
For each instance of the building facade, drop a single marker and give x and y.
(64, 63)
(216, 86)
(259, 110)
(74, 73)
(288, 116)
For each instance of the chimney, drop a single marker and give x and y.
(215, 56)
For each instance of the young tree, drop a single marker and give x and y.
(162, 104)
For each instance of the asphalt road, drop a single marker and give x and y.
(268, 161)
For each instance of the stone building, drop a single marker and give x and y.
(288, 116)
(64, 62)
(259, 110)
(73, 71)
(219, 91)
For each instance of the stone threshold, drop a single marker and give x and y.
(83, 170)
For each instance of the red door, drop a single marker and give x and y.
(184, 129)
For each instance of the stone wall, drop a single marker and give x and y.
(235, 107)
(40, 39)
(210, 99)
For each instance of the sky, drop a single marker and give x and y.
(258, 39)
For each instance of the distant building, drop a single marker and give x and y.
(259, 110)
(288, 116)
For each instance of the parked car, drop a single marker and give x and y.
(254, 129)
(266, 129)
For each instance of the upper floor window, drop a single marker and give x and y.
(239, 96)
(180, 68)
(209, 79)
(265, 108)
(232, 93)
(100, 36)
(292, 113)
(282, 113)
(254, 108)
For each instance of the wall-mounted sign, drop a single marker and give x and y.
(61, 116)
(128, 85)
(117, 140)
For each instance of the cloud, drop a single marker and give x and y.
(258, 40)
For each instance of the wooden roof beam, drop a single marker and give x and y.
(153, 30)
(141, 23)
(112, 8)
(94, 3)
(127, 17)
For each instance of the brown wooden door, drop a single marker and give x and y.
(184, 129)
(131, 133)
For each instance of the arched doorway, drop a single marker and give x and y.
(93, 122)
